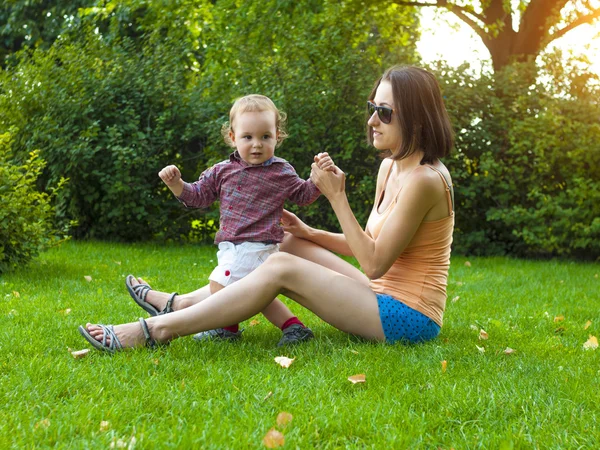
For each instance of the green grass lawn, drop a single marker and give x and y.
(224, 395)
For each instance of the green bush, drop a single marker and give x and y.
(526, 166)
(26, 215)
(140, 85)
(106, 115)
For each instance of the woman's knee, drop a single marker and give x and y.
(280, 264)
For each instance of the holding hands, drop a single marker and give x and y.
(324, 162)
(327, 176)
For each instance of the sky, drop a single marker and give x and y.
(445, 36)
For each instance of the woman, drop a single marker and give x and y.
(404, 250)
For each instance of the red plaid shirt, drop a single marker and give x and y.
(252, 197)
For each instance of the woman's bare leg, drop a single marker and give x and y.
(317, 254)
(277, 312)
(345, 303)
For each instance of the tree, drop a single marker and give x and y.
(539, 23)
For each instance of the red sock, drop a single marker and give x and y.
(292, 321)
(233, 328)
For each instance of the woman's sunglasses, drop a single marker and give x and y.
(383, 112)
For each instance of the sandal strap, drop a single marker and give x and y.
(141, 290)
(115, 343)
(169, 306)
(149, 341)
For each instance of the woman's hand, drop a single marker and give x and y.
(331, 183)
(291, 223)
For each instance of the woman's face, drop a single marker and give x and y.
(385, 136)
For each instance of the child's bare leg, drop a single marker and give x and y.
(277, 313)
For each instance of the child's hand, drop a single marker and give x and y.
(170, 175)
(324, 162)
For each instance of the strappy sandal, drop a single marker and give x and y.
(140, 291)
(115, 343)
(108, 331)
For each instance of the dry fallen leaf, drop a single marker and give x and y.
(359, 378)
(509, 351)
(268, 395)
(283, 418)
(16, 294)
(467, 264)
(87, 278)
(559, 330)
(273, 439)
(455, 299)
(119, 443)
(481, 349)
(483, 335)
(587, 324)
(104, 425)
(44, 423)
(559, 318)
(444, 365)
(254, 322)
(80, 353)
(591, 343)
(284, 361)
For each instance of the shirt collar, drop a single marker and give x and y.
(235, 157)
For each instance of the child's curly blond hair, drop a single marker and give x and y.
(255, 103)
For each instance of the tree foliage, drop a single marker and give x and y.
(517, 31)
(525, 169)
(34, 23)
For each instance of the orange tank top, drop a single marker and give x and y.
(418, 278)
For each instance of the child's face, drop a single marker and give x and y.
(255, 136)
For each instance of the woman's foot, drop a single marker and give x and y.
(128, 334)
(156, 298)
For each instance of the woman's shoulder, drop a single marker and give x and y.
(425, 180)
(385, 165)
(430, 173)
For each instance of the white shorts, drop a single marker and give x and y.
(238, 260)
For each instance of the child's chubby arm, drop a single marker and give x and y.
(171, 176)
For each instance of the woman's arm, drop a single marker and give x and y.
(335, 242)
(419, 194)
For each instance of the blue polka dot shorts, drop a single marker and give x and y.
(404, 324)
